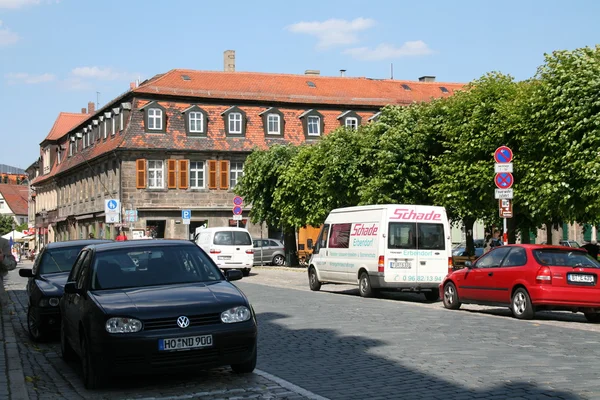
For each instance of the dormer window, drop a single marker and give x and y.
(313, 123)
(350, 119)
(351, 123)
(196, 121)
(234, 120)
(273, 122)
(155, 120)
(71, 147)
(235, 123)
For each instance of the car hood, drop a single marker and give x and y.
(53, 284)
(170, 300)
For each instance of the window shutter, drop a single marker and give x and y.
(140, 176)
(212, 174)
(184, 167)
(224, 174)
(172, 174)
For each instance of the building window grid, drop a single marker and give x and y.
(155, 119)
(273, 124)
(314, 125)
(197, 175)
(114, 123)
(196, 122)
(235, 123)
(121, 121)
(236, 171)
(351, 122)
(156, 174)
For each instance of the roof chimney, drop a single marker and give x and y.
(131, 85)
(342, 72)
(229, 61)
(427, 78)
(91, 107)
(312, 72)
(84, 110)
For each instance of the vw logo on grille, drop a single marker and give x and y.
(183, 322)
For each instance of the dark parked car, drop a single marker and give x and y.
(268, 251)
(154, 306)
(46, 282)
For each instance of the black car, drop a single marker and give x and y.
(154, 306)
(46, 282)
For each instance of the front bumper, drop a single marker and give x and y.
(49, 318)
(138, 353)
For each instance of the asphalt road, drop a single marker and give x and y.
(338, 345)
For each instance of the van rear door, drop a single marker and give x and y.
(432, 254)
(230, 247)
(401, 253)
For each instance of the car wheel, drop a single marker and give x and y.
(66, 350)
(245, 368)
(246, 272)
(592, 317)
(278, 260)
(34, 325)
(313, 280)
(451, 297)
(364, 285)
(521, 304)
(92, 375)
(433, 295)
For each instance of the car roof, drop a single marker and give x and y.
(131, 244)
(546, 247)
(73, 243)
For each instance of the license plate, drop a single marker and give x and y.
(580, 278)
(400, 265)
(224, 257)
(185, 343)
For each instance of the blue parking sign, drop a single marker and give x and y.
(186, 214)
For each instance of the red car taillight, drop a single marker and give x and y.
(215, 251)
(544, 276)
(381, 264)
(250, 251)
(450, 265)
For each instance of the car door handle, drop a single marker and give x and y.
(490, 273)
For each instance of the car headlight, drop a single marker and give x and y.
(123, 325)
(236, 314)
(49, 302)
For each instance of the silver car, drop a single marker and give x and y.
(268, 251)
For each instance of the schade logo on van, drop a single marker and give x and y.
(365, 230)
(410, 215)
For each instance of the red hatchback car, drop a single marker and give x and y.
(528, 278)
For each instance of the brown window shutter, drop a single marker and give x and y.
(172, 174)
(140, 176)
(184, 167)
(212, 174)
(224, 173)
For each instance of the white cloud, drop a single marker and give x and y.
(23, 77)
(99, 73)
(7, 37)
(74, 83)
(14, 4)
(333, 32)
(387, 51)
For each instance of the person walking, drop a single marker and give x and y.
(7, 260)
(121, 237)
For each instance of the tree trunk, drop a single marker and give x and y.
(469, 246)
(549, 226)
(289, 238)
(511, 226)
(525, 232)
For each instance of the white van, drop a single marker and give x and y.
(389, 247)
(230, 248)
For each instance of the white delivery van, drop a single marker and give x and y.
(389, 247)
(230, 248)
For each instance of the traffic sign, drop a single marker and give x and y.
(237, 210)
(508, 167)
(503, 155)
(504, 180)
(238, 201)
(505, 208)
(186, 214)
(504, 193)
(111, 205)
(237, 217)
(112, 211)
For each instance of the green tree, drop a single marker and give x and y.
(6, 224)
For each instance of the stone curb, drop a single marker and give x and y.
(14, 373)
(293, 269)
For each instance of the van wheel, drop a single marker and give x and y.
(246, 272)
(364, 285)
(521, 305)
(433, 295)
(313, 280)
(592, 317)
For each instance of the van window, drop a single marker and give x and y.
(402, 235)
(232, 238)
(431, 237)
(322, 240)
(340, 236)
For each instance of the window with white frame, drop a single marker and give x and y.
(273, 124)
(114, 123)
(236, 171)
(196, 122)
(155, 119)
(156, 174)
(121, 121)
(314, 125)
(1, 204)
(351, 122)
(104, 127)
(71, 146)
(196, 174)
(59, 155)
(235, 123)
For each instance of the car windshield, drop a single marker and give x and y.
(59, 260)
(557, 257)
(152, 266)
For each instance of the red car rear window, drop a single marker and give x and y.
(567, 258)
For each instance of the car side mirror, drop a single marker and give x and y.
(26, 272)
(70, 288)
(234, 275)
(468, 264)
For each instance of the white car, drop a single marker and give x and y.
(230, 248)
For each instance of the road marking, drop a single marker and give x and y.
(289, 385)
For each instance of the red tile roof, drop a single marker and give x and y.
(64, 123)
(294, 88)
(17, 198)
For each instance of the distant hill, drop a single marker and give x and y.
(7, 169)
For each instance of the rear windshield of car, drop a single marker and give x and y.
(59, 260)
(232, 238)
(152, 266)
(410, 235)
(566, 258)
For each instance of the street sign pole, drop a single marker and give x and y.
(504, 181)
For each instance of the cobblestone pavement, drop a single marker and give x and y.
(47, 376)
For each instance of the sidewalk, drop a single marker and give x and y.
(12, 378)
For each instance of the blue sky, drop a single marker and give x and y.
(56, 54)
